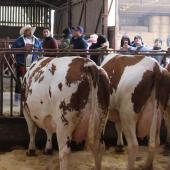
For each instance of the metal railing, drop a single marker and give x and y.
(7, 53)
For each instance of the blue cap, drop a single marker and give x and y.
(78, 28)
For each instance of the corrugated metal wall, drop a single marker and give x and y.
(94, 9)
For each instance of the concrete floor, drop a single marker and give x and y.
(6, 105)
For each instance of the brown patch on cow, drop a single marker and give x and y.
(164, 89)
(114, 116)
(168, 67)
(68, 142)
(40, 58)
(64, 120)
(36, 117)
(32, 66)
(41, 79)
(64, 108)
(115, 67)
(49, 123)
(80, 97)
(50, 91)
(38, 75)
(143, 91)
(27, 108)
(78, 100)
(41, 101)
(92, 71)
(30, 91)
(52, 69)
(60, 86)
(103, 92)
(75, 70)
(38, 70)
(24, 90)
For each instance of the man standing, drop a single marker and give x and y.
(48, 42)
(78, 41)
(26, 41)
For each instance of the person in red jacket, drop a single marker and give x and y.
(49, 42)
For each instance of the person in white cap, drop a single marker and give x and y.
(26, 41)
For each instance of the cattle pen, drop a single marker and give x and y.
(10, 113)
(13, 128)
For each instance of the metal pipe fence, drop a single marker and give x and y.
(7, 53)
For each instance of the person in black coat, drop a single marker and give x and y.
(102, 43)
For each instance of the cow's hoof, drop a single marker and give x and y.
(119, 149)
(31, 152)
(48, 152)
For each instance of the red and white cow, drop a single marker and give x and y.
(69, 96)
(137, 85)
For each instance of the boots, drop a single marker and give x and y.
(17, 99)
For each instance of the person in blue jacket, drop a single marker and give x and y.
(26, 41)
(138, 44)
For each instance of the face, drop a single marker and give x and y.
(157, 44)
(138, 42)
(46, 33)
(28, 33)
(125, 43)
(76, 33)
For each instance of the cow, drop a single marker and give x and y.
(136, 101)
(68, 96)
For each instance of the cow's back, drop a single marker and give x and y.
(64, 85)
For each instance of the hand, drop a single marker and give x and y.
(28, 47)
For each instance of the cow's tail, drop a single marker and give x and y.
(99, 103)
(157, 115)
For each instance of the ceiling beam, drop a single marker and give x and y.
(48, 4)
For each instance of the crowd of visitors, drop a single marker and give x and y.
(138, 45)
(72, 38)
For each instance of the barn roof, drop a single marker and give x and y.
(50, 3)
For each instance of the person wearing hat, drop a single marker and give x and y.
(78, 41)
(125, 44)
(138, 44)
(26, 41)
(66, 40)
(158, 47)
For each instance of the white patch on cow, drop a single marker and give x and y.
(41, 90)
(107, 58)
(132, 74)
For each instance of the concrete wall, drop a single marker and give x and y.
(154, 27)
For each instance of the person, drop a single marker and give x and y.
(158, 47)
(92, 40)
(26, 41)
(78, 41)
(138, 44)
(66, 41)
(49, 42)
(102, 43)
(125, 44)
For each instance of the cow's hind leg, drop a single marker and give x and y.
(129, 128)
(64, 136)
(48, 147)
(32, 132)
(119, 130)
(154, 140)
(97, 151)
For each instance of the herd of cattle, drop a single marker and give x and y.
(74, 98)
